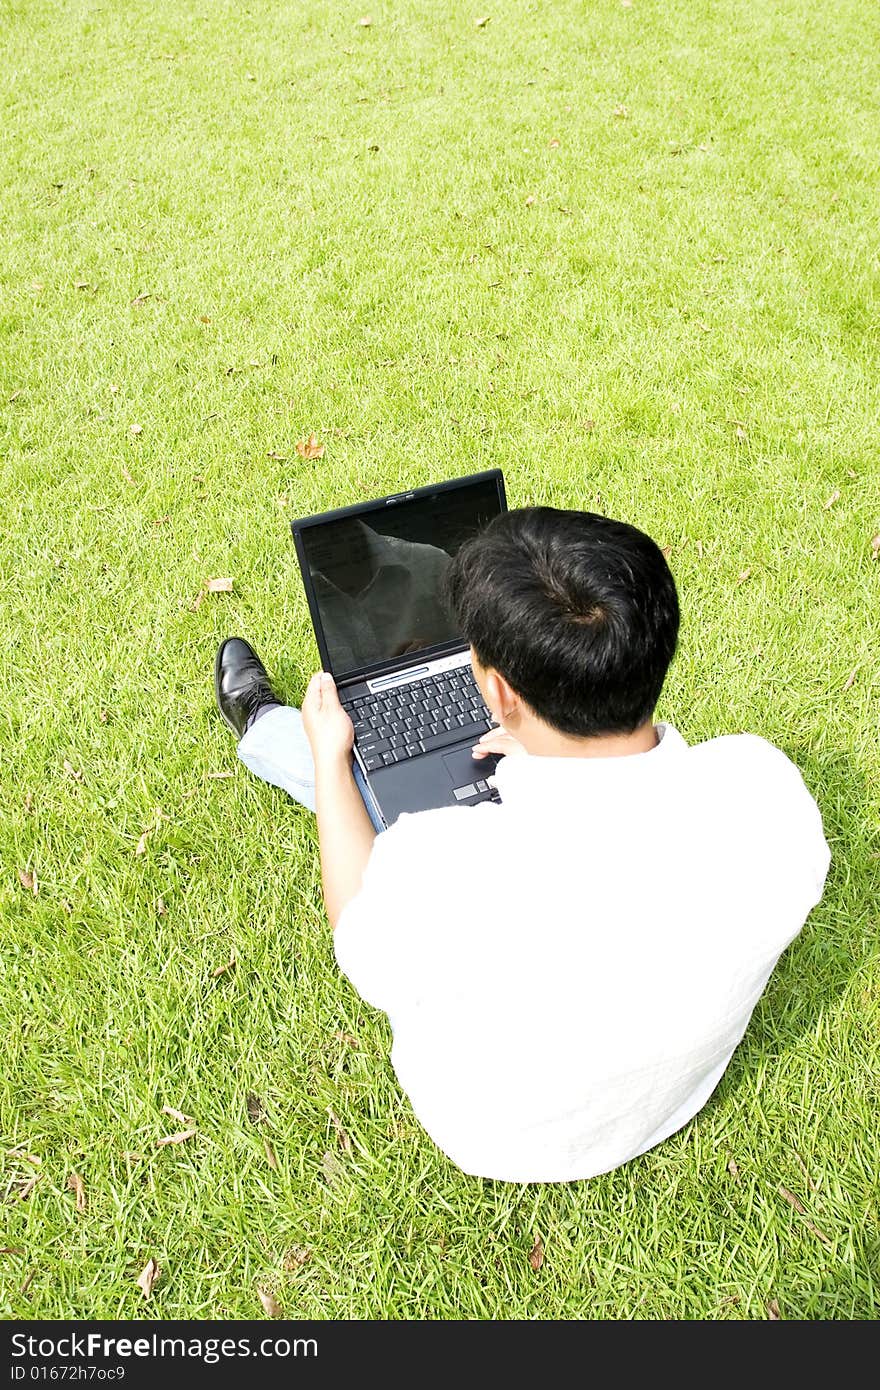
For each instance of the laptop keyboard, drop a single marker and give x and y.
(419, 717)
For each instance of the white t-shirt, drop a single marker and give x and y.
(567, 973)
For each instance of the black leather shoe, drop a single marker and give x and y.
(241, 684)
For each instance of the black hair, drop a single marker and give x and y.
(578, 613)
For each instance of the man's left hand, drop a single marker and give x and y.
(328, 727)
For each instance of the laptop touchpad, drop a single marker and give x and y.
(464, 769)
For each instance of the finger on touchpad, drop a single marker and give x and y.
(462, 768)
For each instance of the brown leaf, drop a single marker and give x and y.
(773, 1312)
(553, 144)
(875, 547)
(666, 551)
(71, 771)
(27, 1187)
(850, 678)
(348, 1038)
(270, 1154)
(344, 1141)
(254, 1108)
(179, 1138)
(296, 1257)
(536, 1254)
(11, 1249)
(279, 458)
(801, 1209)
(223, 969)
(161, 909)
(203, 318)
(177, 1115)
(733, 1168)
(835, 497)
(332, 1168)
(135, 429)
(743, 576)
(28, 1281)
(310, 448)
(28, 803)
(270, 1303)
(158, 816)
(147, 1277)
(218, 586)
(76, 1184)
(28, 880)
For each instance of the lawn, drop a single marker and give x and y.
(628, 253)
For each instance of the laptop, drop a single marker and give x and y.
(373, 575)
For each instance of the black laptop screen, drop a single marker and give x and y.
(377, 577)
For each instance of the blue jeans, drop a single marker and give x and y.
(276, 750)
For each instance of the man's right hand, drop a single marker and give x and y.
(497, 741)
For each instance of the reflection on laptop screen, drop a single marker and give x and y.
(378, 577)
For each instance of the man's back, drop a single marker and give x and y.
(568, 973)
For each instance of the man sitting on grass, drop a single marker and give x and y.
(567, 972)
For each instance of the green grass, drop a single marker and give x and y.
(681, 330)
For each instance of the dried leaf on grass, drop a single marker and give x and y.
(279, 458)
(213, 586)
(875, 547)
(270, 1155)
(850, 680)
(28, 879)
(296, 1257)
(773, 1312)
(332, 1169)
(158, 817)
(71, 770)
(733, 1168)
(310, 448)
(799, 1207)
(179, 1138)
(147, 1277)
(76, 1184)
(743, 576)
(224, 969)
(344, 1141)
(270, 1303)
(177, 1115)
(254, 1108)
(835, 497)
(536, 1254)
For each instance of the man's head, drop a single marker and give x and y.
(578, 613)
